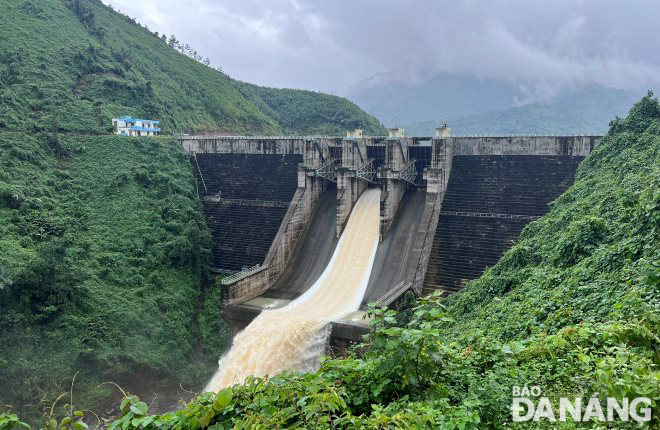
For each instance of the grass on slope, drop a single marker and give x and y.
(573, 308)
(73, 65)
(301, 112)
(74, 73)
(104, 252)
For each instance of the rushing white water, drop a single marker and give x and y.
(293, 337)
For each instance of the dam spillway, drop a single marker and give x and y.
(293, 337)
(317, 244)
(449, 208)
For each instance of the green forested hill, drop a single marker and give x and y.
(103, 258)
(72, 65)
(307, 112)
(585, 111)
(573, 308)
(74, 70)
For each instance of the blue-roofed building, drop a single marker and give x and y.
(128, 126)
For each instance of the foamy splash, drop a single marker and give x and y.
(294, 337)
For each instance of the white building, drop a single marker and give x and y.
(127, 126)
(397, 132)
(443, 132)
(357, 133)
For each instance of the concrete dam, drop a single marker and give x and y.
(449, 207)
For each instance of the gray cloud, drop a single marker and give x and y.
(333, 45)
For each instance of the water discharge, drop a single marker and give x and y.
(293, 337)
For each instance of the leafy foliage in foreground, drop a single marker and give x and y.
(104, 251)
(574, 308)
(11, 422)
(413, 377)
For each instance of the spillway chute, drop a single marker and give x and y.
(293, 337)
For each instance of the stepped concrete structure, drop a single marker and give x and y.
(450, 207)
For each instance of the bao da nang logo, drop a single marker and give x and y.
(528, 404)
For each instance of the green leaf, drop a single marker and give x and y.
(139, 408)
(222, 399)
(124, 403)
(206, 419)
(79, 425)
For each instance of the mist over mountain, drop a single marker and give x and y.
(435, 97)
(331, 46)
(472, 105)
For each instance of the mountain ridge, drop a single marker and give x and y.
(472, 105)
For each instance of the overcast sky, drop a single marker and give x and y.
(332, 45)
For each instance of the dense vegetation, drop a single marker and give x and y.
(573, 308)
(72, 65)
(307, 112)
(62, 69)
(103, 262)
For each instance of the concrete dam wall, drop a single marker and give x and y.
(244, 213)
(449, 208)
(317, 244)
(489, 200)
